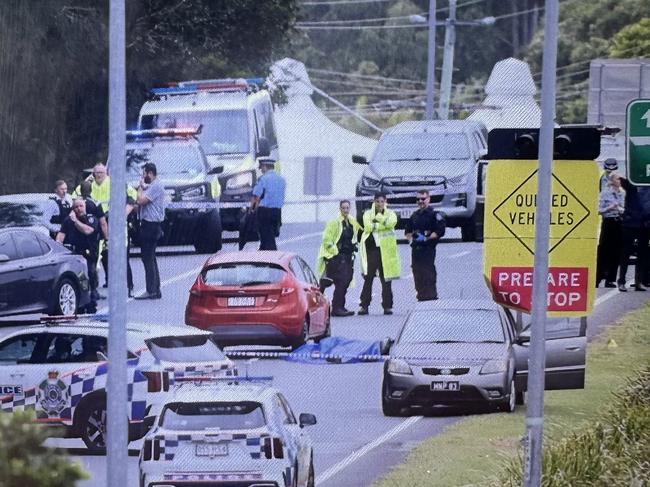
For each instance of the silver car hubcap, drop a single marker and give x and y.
(67, 299)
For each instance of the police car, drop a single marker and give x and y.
(58, 369)
(220, 433)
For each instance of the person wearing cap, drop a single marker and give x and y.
(267, 201)
(610, 208)
(609, 165)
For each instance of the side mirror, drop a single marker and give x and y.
(263, 148)
(216, 170)
(4, 258)
(523, 340)
(359, 159)
(306, 419)
(385, 345)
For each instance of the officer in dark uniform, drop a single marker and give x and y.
(81, 231)
(423, 231)
(58, 209)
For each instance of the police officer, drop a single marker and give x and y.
(336, 257)
(268, 200)
(635, 226)
(81, 231)
(610, 164)
(610, 207)
(58, 208)
(379, 254)
(423, 231)
(151, 208)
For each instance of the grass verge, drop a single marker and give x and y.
(476, 448)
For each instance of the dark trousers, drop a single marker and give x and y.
(129, 272)
(374, 267)
(423, 263)
(268, 221)
(105, 259)
(340, 269)
(150, 233)
(93, 277)
(610, 247)
(628, 237)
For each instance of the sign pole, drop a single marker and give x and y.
(431, 62)
(116, 425)
(535, 411)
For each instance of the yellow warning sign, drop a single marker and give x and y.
(510, 214)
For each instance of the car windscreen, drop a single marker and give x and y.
(20, 214)
(243, 274)
(222, 131)
(189, 348)
(432, 146)
(453, 326)
(170, 159)
(212, 415)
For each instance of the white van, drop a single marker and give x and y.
(237, 129)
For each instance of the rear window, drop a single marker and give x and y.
(190, 348)
(243, 274)
(211, 415)
(21, 214)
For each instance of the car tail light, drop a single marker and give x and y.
(154, 381)
(195, 292)
(287, 290)
(278, 448)
(146, 451)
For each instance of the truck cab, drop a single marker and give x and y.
(237, 129)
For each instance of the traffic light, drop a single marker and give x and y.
(570, 143)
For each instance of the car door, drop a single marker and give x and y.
(306, 288)
(10, 274)
(39, 273)
(19, 369)
(566, 347)
(294, 438)
(319, 315)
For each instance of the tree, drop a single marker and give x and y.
(633, 41)
(24, 462)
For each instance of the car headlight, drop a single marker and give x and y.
(240, 181)
(494, 367)
(399, 366)
(370, 180)
(193, 193)
(458, 180)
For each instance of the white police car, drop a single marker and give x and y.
(58, 369)
(220, 433)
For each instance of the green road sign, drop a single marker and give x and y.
(638, 142)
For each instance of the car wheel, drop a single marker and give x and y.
(311, 479)
(388, 407)
(66, 298)
(508, 406)
(328, 330)
(304, 336)
(520, 397)
(93, 426)
(208, 240)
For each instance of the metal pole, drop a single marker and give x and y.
(537, 362)
(431, 61)
(447, 62)
(116, 387)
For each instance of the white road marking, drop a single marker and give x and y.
(195, 270)
(459, 254)
(357, 454)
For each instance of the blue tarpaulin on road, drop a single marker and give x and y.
(337, 350)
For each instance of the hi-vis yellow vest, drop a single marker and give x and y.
(331, 236)
(383, 231)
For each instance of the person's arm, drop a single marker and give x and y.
(60, 237)
(82, 227)
(49, 211)
(388, 221)
(258, 190)
(408, 229)
(440, 226)
(142, 198)
(104, 226)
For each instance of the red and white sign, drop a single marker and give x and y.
(568, 287)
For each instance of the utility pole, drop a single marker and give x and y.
(447, 62)
(431, 61)
(116, 434)
(537, 358)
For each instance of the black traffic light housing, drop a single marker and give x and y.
(570, 143)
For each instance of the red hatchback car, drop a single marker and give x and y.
(262, 297)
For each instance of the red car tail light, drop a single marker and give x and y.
(287, 290)
(154, 381)
(196, 292)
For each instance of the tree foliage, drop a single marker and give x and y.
(633, 41)
(24, 462)
(54, 70)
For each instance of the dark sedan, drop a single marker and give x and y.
(464, 353)
(39, 275)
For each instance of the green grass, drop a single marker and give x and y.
(478, 447)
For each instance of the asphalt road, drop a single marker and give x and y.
(354, 443)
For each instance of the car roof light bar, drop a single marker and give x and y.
(211, 86)
(163, 132)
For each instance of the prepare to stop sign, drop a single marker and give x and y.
(567, 287)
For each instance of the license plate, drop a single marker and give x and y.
(211, 449)
(443, 385)
(405, 213)
(241, 301)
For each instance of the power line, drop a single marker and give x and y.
(353, 21)
(366, 76)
